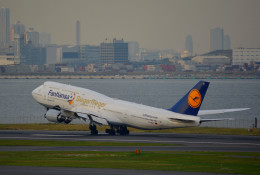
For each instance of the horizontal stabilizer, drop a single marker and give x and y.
(220, 111)
(211, 120)
(181, 120)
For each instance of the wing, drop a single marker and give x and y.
(220, 111)
(87, 114)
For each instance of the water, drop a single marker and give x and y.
(18, 106)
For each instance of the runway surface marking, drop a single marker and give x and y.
(124, 140)
(48, 135)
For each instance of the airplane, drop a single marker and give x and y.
(66, 102)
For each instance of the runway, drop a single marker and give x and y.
(14, 170)
(182, 142)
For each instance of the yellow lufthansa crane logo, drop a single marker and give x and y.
(194, 98)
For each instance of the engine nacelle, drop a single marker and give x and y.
(52, 115)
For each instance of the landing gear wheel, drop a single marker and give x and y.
(111, 132)
(94, 132)
(123, 130)
(93, 129)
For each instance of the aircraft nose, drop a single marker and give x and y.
(36, 91)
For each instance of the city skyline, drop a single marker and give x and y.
(154, 24)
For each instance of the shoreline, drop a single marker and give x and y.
(179, 76)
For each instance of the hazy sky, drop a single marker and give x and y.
(155, 24)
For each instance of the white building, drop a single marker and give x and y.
(211, 60)
(53, 54)
(245, 55)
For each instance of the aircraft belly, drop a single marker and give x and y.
(112, 118)
(140, 122)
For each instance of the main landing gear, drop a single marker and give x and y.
(121, 130)
(93, 129)
(111, 131)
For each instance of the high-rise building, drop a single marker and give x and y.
(133, 49)
(90, 53)
(107, 53)
(17, 29)
(116, 52)
(216, 39)
(4, 27)
(19, 46)
(227, 43)
(189, 44)
(45, 39)
(33, 37)
(77, 33)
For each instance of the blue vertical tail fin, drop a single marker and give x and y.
(191, 102)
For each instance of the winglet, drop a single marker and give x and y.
(191, 102)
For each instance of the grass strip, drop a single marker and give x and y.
(75, 143)
(84, 127)
(215, 162)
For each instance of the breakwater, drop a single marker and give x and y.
(137, 76)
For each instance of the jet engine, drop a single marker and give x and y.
(54, 115)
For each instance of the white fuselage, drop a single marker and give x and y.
(116, 112)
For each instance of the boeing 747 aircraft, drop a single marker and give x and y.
(65, 103)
